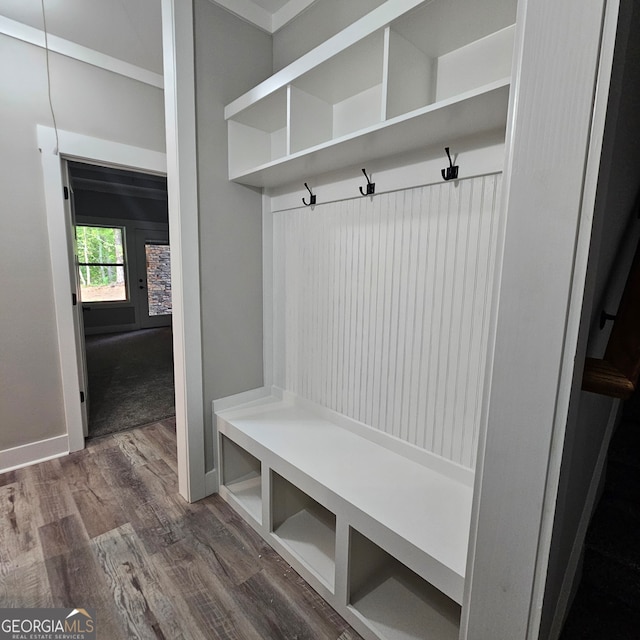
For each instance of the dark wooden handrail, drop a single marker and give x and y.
(616, 374)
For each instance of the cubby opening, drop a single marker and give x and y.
(258, 134)
(392, 600)
(340, 96)
(242, 476)
(305, 527)
(446, 48)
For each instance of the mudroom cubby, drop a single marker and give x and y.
(258, 135)
(334, 486)
(242, 477)
(377, 309)
(433, 58)
(339, 96)
(304, 527)
(367, 437)
(407, 75)
(394, 601)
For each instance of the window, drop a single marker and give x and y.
(101, 264)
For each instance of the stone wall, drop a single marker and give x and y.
(159, 279)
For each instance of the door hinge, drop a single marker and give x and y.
(82, 396)
(66, 193)
(74, 299)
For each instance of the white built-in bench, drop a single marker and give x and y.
(378, 527)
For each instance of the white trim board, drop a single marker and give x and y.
(182, 187)
(34, 452)
(572, 363)
(477, 156)
(534, 321)
(20, 31)
(93, 150)
(211, 481)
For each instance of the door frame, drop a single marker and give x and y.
(55, 146)
(78, 317)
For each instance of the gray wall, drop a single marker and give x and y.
(615, 229)
(130, 30)
(87, 100)
(321, 21)
(231, 56)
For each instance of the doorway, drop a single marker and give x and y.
(154, 279)
(187, 352)
(123, 276)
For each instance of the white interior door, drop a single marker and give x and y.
(153, 279)
(78, 323)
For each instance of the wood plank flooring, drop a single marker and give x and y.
(105, 528)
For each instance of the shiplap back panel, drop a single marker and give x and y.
(381, 309)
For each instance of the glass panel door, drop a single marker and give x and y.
(154, 278)
(158, 266)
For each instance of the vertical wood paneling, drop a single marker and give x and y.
(381, 309)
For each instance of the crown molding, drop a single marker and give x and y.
(260, 17)
(25, 33)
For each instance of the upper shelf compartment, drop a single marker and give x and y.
(408, 75)
(340, 96)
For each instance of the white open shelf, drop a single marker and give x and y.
(304, 527)
(242, 477)
(340, 96)
(476, 111)
(393, 601)
(380, 531)
(395, 81)
(422, 512)
(259, 133)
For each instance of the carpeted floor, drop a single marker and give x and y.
(130, 379)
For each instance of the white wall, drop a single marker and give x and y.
(231, 56)
(87, 100)
(382, 305)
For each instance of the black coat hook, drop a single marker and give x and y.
(451, 172)
(371, 186)
(312, 199)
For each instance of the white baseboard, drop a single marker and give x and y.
(211, 482)
(33, 453)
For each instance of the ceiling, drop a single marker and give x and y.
(269, 15)
(271, 5)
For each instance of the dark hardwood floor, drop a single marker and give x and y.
(105, 528)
